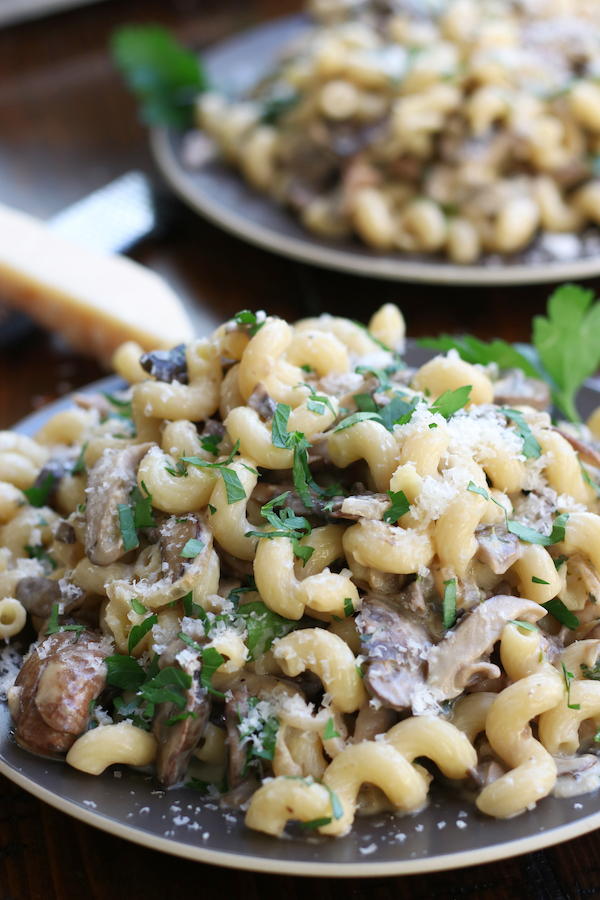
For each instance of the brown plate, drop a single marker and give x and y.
(220, 194)
(449, 833)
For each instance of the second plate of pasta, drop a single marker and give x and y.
(219, 192)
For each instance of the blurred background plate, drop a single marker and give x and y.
(17, 10)
(449, 833)
(219, 193)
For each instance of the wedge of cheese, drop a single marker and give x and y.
(95, 301)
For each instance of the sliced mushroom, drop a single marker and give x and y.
(177, 742)
(235, 709)
(109, 483)
(38, 595)
(396, 646)
(65, 533)
(366, 506)
(50, 701)
(262, 403)
(460, 655)
(166, 365)
(497, 548)
(514, 388)
(180, 574)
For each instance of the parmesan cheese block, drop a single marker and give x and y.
(96, 301)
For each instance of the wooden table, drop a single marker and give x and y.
(67, 127)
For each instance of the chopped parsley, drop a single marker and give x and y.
(192, 548)
(475, 489)
(330, 731)
(531, 447)
(451, 401)
(568, 676)
(400, 506)
(140, 631)
(449, 603)
(38, 496)
(560, 612)
(54, 628)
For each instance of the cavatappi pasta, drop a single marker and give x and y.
(284, 564)
(458, 127)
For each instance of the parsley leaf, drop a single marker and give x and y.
(449, 603)
(475, 489)
(591, 672)
(245, 317)
(330, 731)
(38, 496)
(192, 548)
(451, 401)
(568, 343)
(527, 626)
(139, 631)
(179, 471)
(164, 75)
(233, 486)
(568, 676)
(349, 421)
(40, 553)
(138, 607)
(531, 536)
(381, 376)
(365, 403)
(142, 510)
(531, 448)
(211, 660)
(537, 580)
(400, 506)
(54, 628)
(316, 823)
(263, 626)
(560, 612)
(348, 607)
(279, 433)
(127, 526)
(124, 672)
(80, 461)
(167, 686)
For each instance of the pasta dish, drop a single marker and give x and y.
(451, 127)
(289, 571)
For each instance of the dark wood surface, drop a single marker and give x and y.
(67, 127)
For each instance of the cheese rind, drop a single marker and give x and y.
(96, 301)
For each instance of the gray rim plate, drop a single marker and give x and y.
(180, 822)
(220, 194)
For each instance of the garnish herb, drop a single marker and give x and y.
(568, 343)
(315, 823)
(38, 552)
(560, 612)
(348, 607)
(474, 351)
(591, 672)
(233, 486)
(365, 403)
(126, 524)
(245, 317)
(537, 580)
(451, 401)
(38, 496)
(124, 672)
(559, 561)
(142, 508)
(527, 626)
(164, 75)
(211, 660)
(124, 406)
(54, 628)
(586, 477)
(349, 421)
(263, 626)
(475, 489)
(330, 731)
(179, 471)
(139, 631)
(400, 506)
(138, 607)
(568, 676)
(449, 603)
(531, 448)
(188, 714)
(192, 548)
(381, 376)
(80, 461)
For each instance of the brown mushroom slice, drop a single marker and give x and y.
(460, 655)
(109, 483)
(50, 700)
(177, 742)
(180, 574)
(497, 548)
(514, 388)
(396, 652)
(586, 452)
(262, 403)
(38, 595)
